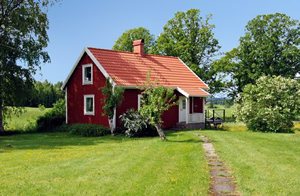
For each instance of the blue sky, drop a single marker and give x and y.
(75, 24)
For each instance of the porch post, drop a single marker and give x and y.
(187, 103)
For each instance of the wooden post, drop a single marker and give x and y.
(224, 115)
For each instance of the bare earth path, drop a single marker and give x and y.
(222, 182)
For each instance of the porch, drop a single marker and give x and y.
(191, 112)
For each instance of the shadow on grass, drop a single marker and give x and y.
(54, 140)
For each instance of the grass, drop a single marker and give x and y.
(61, 164)
(263, 163)
(26, 120)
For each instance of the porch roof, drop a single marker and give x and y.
(193, 91)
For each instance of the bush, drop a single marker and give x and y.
(136, 125)
(53, 118)
(270, 105)
(87, 130)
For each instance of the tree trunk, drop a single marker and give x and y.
(111, 126)
(1, 118)
(160, 132)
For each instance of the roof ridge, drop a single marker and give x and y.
(120, 51)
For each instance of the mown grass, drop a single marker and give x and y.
(61, 164)
(26, 121)
(263, 163)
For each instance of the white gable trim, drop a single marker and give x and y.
(182, 92)
(207, 87)
(97, 63)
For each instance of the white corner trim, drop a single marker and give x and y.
(182, 92)
(193, 73)
(84, 105)
(84, 82)
(66, 104)
(97, 63)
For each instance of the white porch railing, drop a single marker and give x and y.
(196, 118)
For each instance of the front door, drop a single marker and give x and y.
(182, 109)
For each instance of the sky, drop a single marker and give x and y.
(75, 24)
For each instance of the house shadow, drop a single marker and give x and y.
(55, 140)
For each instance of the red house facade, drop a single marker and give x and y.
(84, 99)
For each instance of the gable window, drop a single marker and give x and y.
(87, 74)
(89, 105)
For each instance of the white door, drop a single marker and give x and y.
(182, 109)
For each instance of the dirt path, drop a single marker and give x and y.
(221, 182)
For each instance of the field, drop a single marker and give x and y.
(26, 120)
(62, 164)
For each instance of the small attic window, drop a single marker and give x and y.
(87, 74)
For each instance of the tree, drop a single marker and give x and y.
(155, 101)
(124, 42)
(270, 105)
(23, 37)
(190, 37)
(270, 46)
(113, 98)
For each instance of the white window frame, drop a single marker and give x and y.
(139, 101)
(84, 105)
(85, 82)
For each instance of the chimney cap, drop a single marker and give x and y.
(138, 42)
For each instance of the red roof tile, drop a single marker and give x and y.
(129, 69)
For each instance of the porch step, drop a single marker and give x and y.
(183, 125)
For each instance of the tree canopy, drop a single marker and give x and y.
(270, 46)
(190, 37)
(124, 42)
(23, 37)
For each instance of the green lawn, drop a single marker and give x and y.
(60, 164)
(263, 163)
(26, 120)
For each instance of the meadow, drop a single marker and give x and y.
(62, 164)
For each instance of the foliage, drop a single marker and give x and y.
(87, 130)
(113, 97)
(45, 93)
(155, 101)
(270, 105)
(124, 42)
(270, 46)
(136, 125)
(190, 37)
(53, 118)
(23, 37)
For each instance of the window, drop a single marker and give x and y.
(183, 104)
(139, 101)
(89, 105)
(87, 74)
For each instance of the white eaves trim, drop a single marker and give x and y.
(207, 87)
(97, 63)
(183, 92)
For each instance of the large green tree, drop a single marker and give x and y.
(190, 37)
(23, 37)
(124, 42)
(270, 46)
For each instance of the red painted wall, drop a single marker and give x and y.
(130, 100)
(76, 92)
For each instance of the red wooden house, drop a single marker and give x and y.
(129, 70)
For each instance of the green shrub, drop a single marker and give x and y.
(87, 130)
(136, 125)
(53, 118)
(270, 105)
